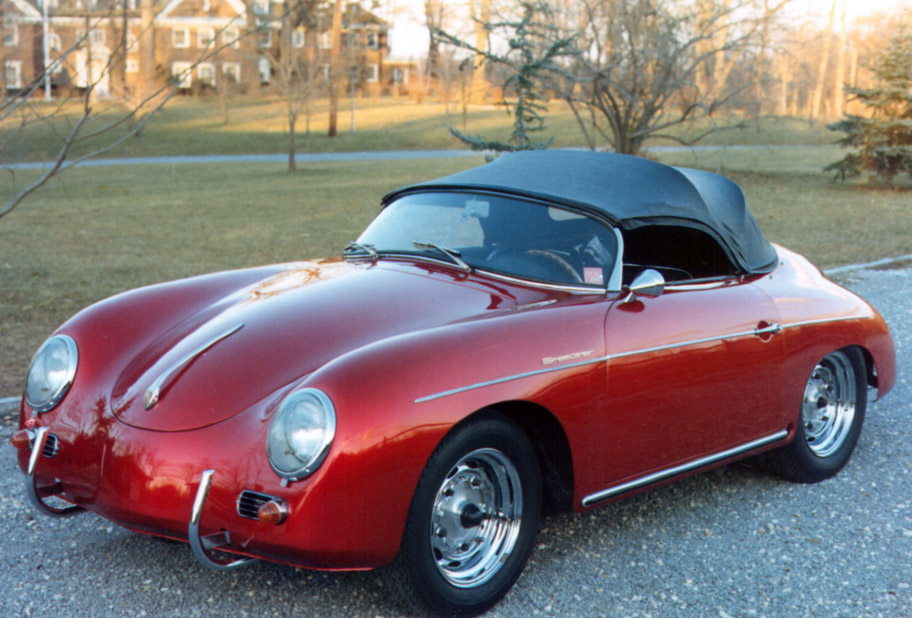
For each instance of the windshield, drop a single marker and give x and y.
(498, 234)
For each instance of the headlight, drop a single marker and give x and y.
(51, 374)
(300, 434)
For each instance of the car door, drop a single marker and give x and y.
(693, 372)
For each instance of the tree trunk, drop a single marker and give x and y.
(334, 67)
(479, 83)
(839, 85)
(292, 121)
(824, 63)
(146, 45)
(251, 47)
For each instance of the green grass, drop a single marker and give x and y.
(93, 232)
(194, 126)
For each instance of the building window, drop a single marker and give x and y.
(180, 37)
(97, 37)
(131, 41)
(132, 65)
(373, 72)
(261, 7)
(204, 37)
(372, 40)
(265, 36)
(324, 68)
(231, 36)
(10, 34)
(206, 73)
(207, 5)
(325, 41)
(265, 69)
(400, 76)
(232, 72)
(51, 4)
(54, 41)
(181, 72)
(297, 38)
(12, 74)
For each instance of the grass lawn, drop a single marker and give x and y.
(93, 232)
(194, 125)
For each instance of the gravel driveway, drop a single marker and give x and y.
(734, 542)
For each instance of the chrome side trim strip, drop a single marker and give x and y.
(662, 475)
(843, 318)
(517, 376)
(772, 329)
(153, 394)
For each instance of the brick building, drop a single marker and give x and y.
(122, 45)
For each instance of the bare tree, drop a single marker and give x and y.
(824, 62)
(433, 17)
(647, 67)
(480, 12)
(294, 66)
(336, 34)
(99, 126)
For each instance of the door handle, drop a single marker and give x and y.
(767, 328)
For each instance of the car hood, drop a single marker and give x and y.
(234, 352)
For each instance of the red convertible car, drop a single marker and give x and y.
(550, 331)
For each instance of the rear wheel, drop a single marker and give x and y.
(473, 519)
(830, 419)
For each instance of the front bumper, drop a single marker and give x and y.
(192, 486)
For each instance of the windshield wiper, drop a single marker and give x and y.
(453, 254)
(358, 250)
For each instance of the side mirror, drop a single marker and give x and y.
(648, 283)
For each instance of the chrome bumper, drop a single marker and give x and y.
(37, 494)
(200, 545)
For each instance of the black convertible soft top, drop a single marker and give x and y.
(629, 191)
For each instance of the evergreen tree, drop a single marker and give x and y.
(882, 142)
(531, 57)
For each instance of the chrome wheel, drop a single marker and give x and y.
(476, 517)
(829, 404)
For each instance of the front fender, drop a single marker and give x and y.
(395, 401)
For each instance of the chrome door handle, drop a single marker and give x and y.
(771, 328)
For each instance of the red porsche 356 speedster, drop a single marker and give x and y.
(549, 331)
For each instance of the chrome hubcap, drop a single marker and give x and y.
(829, 404)
(476, 518)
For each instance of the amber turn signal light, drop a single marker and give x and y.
(21, 440)
(273, 512)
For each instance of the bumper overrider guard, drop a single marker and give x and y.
(199, 545)
(38, 438)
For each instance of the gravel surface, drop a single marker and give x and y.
(734, 542)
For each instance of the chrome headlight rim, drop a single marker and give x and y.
(315, 459)
(39, 407)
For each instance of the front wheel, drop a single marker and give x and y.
(473, 519)
(830, 419)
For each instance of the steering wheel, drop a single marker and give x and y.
(555, 260)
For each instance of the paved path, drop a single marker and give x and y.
(732, 543)
(379, 155)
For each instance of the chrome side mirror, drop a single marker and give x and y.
(648, 283)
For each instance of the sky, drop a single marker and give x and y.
(409, 36)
